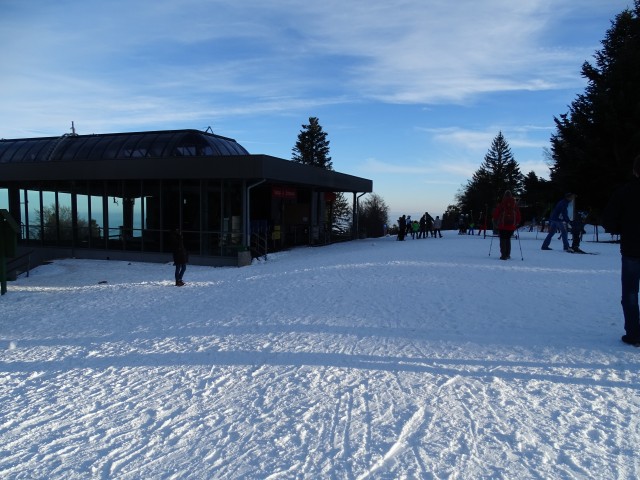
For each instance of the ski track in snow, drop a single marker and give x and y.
(365, 360)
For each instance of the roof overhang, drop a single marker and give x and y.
(232, 167)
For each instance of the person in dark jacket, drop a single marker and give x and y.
(577, 229)
(622, 216)
(180, 256)
(402, 227)
(557, 220)
(428, 219)
(507, 217)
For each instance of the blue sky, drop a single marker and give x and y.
(410, 92)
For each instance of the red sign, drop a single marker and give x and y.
(288, 193)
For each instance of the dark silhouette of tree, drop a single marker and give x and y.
(499, 172)
(312, 147)
(341, 215)
(373, 216)
(537, 198)
(450, 217)
(60, 225)
(595, 142)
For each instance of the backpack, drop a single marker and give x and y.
(508, 217)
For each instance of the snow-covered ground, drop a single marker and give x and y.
(373, 359)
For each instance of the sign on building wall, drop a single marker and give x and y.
(288, 193)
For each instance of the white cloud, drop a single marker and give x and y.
(442, 51)
(480, 140)
(195, 59)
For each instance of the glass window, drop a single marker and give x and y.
(82, 206)
(83, 152)
(100, 147)
(65, 219)
(37, 151)
(96, 227)
(127, 146)
(49, 218)
(33, 215)
(132, 215)
(191, 214)
(60, 147)
(73, 145)
(140, 145)
(4, 198)
(232, 216)
(22, 154)
(211, 218)
(11, 148)
(145, 147)
(191, 145)
(152, 216)
(223, 148)
(112, 150)
(170, 210)
(115, 215)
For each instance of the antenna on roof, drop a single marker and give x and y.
(73, 129)
(208, 129)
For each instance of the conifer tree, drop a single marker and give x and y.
(499, 172)
(341, 216)
(595, 142)
(312, 147)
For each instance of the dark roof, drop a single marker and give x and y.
(113, 146)
(173, 154)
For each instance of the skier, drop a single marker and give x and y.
(557, 220)
(507, 217)
(577, 229)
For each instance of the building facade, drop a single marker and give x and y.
(120, 195)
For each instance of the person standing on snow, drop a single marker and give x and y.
(428, 219)
(415, 229)
(180, 256)
(557, 220)
(482, 224)
(437, 226)
(402, 227)
(507, 217)
(423, 227)
(622, 216)
(577, 229)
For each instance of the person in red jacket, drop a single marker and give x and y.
(507, 218)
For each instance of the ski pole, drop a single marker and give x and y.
(490, 244)
(520, 245)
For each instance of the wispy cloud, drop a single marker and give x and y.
(234, 57)
(480, 140)
(442, 51)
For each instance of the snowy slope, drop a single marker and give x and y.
(369, 359)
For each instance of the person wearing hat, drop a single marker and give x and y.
(622, 216)
(557, 220)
